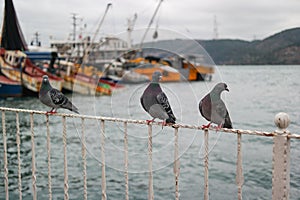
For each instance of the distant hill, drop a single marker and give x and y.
(280, 48)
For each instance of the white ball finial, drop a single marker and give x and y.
(282, 120)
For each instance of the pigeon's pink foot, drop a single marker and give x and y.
(164, 123)
(219, 127)
(149, 121)
(51, 112)
(206, 126)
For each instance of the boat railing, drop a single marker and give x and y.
(280, 162)
(11, 69)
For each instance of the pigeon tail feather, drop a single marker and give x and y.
(68, 105)
(74, 109)
(227, 124)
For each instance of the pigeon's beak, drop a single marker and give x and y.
(227, 89)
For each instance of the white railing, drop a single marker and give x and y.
(281, 154)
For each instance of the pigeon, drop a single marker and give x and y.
(155, 101)
(213, 109)
(54, 98)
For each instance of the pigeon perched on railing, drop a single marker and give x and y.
(213, 109)
(155, 101)
(54, 98)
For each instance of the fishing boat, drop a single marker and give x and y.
(172, 66)
(169, 73)
(88, 85)
(17, 67)
(137, 66)
(77, 78)
(85, 79)
(9, 88)
(144, 60)
(115, 72)
(14, 63)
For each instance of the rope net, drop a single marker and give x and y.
(102, 120)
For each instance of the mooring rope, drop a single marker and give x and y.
(206, 153)
(176, 164)
(150, 185)
(33, 158)
(19, 155)
(126, 162)
(5, 156)
(83, 153)
(239, 167)
(66, 185)
(103, 175)
(49, 158)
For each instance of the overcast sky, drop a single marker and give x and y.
(235, 19)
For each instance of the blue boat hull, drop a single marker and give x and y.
(10, 90)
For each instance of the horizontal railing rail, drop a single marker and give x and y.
(281, 151)
(134, 121)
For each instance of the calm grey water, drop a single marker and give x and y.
(256, 94)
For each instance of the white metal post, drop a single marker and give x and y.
(281, 159)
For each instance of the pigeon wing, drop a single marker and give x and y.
(221, 109)
(60, 100)
(142, 102)
(162, 99)
(57, 97)
(222, 112)
(205, 107)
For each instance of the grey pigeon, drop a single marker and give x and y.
(213, 109)
(155, 101)
(54, 98)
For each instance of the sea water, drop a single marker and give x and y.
(256, 94)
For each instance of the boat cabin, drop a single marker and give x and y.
(13, 58)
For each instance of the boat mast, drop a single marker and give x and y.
(87, 50)
(74, 18)
(150, 23)
(131, 24)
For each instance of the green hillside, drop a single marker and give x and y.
(281, 48)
